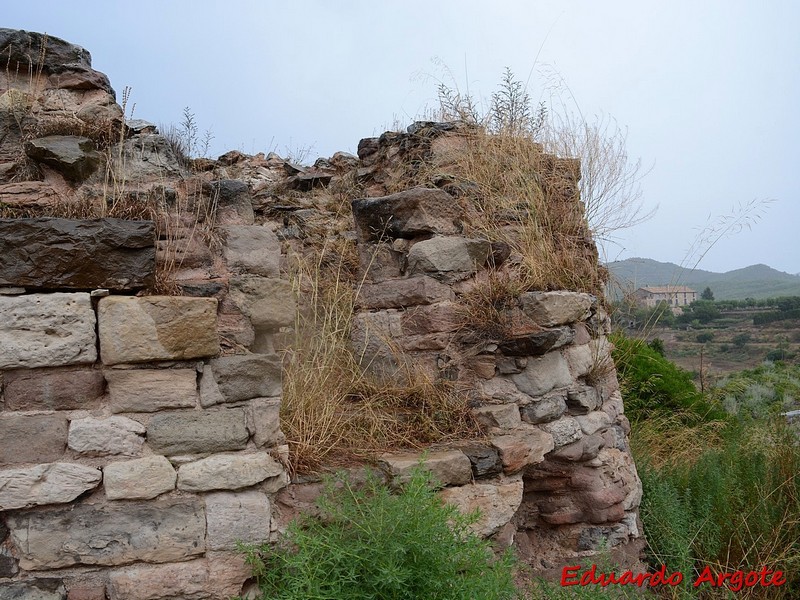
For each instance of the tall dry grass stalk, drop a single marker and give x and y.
(332, 410)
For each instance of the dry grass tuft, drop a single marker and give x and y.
(331, 409)
(527, 199)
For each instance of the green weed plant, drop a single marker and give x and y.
(377, 544)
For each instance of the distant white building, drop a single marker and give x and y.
(673, 295)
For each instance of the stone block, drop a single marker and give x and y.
(251, 249)
(227, 472)
(69, 254)
(522, 448)
(195, 432)
(32, 438)
(564, 431)
(46, 330)
(505, 416)
(543, 374)
(237, 517)
(53, 483)
(268, 302)
(240, 377)
(594, 357)
(73, 156)
(233, 201)
(52, 389)
(583, 399)
(547, 408)
(447, 467)
(220, 576)
(400, 293)
(407, 214)
(593, 422)
(485, 460)
(265, 417)
(373, 335)
(497, 503)
(448, 259)
(140, 479)
(150, 390)
(551, 309)
(114, 534)
(503, 390)
(34, 589)
(156, 328)
(537, 343)
(378, 261)
(434, 318)
(104, 437)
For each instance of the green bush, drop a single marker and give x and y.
(704, 336)
(651, 383)
(374, 544)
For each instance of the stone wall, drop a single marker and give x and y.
(133, 456)
(140, 434)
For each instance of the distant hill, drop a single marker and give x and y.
(755, 281)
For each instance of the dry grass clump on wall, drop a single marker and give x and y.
(521, 196)
(332, 409)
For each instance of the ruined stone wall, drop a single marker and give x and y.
(133, 457)
(139, 432)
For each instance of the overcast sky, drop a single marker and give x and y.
(709, 91)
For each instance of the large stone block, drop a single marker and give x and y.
(227, 472)
(195, 432)
(73, 156)
(545, 409)
(104, 437)
(251, 249)
(156, 328)
(52, 389)
(32, 438)
(407, 214)
(220, 576)
(150, 390)
(237, 517)
(400, 293)
(448, 258)
(268, 302)
(550, 309)
(543, 374)
(25, 50)
(497, 503)
(504, 416)
(53, 483)
(522, 448)
(240, 377)
(46, 330)
(115, 534)
(537, 343)
(48, 253)
(140, 479)
(447, 467)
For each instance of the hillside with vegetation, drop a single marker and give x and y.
(756, 281)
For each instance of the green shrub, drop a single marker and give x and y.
(374, 544)
(651, 383)
(704, 336)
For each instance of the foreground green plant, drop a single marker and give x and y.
(374, 544)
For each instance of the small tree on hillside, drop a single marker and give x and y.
(707, 294)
